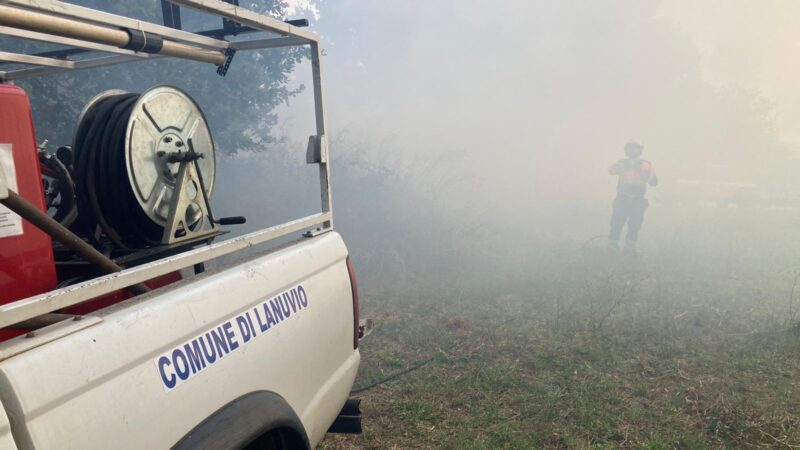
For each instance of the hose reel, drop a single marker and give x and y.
(144, 168)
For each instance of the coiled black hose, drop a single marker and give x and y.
(105, 198)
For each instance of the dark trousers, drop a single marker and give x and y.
(628, 210)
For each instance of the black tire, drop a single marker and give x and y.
(280, 439)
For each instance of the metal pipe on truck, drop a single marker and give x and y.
(130, 39)
(60, 233)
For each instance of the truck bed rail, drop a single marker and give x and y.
(31, 307)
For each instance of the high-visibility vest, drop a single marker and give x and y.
(634, 174)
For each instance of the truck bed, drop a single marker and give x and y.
(144, 373)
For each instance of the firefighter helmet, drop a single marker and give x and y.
(633, 148)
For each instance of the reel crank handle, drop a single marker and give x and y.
(233, 220)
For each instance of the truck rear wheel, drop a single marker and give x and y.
(278, 439)
(256, 421)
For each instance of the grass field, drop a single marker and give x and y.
(683, 348)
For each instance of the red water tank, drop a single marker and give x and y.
(26, 255)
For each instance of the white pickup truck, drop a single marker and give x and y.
(113, 334)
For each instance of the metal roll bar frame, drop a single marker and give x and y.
(127, 40)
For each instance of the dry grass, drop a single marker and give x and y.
(661, 352)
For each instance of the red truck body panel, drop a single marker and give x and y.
(26, 260)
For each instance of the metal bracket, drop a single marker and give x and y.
(222, 69)
(182, 201)
(365, 327)
(171, 14)
(317, 151)
(228, 25)
(315, 232)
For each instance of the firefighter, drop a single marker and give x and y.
(634, 175)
